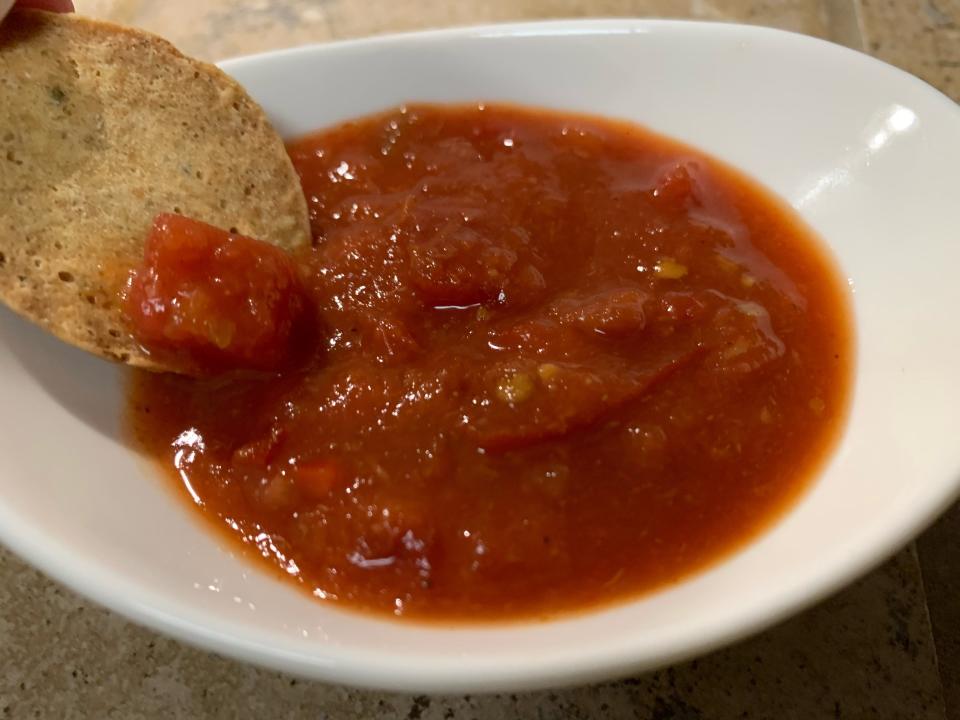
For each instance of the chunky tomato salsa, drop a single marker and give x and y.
(208, 300)
(553, 361)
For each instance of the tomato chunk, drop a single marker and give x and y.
(215, 300)
(317, 478)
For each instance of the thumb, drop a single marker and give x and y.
(50, 5)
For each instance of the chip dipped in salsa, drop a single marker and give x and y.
(553, 361)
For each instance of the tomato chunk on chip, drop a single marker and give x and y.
(215, 300)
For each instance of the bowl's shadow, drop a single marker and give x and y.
(87, 387)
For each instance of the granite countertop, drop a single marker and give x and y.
(887, 647)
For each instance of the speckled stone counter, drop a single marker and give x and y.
(869, 652)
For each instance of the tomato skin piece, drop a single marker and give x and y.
(318, 478)
(212, 300)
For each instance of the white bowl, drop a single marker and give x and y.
(867, 154)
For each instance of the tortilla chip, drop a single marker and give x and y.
(101, 129)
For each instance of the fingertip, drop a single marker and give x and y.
(58, 6)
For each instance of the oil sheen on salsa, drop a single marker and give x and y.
(559, 361)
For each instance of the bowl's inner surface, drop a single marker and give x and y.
(864, 153)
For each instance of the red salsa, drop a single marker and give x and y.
(208, 299)
(560, 361)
